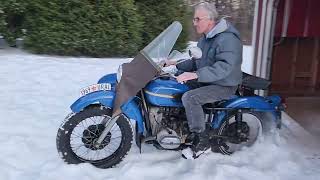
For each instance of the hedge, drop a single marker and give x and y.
(99, 28)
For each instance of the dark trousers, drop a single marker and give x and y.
(194, 99)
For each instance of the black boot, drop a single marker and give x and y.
(190, 138)
(200, 144)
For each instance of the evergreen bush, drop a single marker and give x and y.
(72, 27)
(12, 16)
(99, 28)
(158, 14)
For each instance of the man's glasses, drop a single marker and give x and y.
(198, 19)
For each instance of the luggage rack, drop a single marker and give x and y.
(254, 82)
(251, 83)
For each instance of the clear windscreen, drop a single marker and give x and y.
(159, 49)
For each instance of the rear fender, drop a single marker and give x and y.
(255, 103)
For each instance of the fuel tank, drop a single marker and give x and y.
(165, 91)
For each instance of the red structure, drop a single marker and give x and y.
(287, 47)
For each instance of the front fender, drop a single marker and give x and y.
(132, 110)
(109, 78)
(105, 98)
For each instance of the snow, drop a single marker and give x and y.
(36, 92)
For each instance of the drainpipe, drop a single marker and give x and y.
(261, 39)
(259, 59)
(266, 42)
(271, 38)
(266, 50)
(254, 36)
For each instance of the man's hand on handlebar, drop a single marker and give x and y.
(182, 78)
(169, 62)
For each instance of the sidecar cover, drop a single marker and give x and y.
(145, 66)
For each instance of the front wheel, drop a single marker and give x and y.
(253, 126)
(76, 137)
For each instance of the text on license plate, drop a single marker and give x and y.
(94, 88)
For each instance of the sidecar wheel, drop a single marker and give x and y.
(77, 133)
(258, 124)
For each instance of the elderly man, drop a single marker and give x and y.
(217, 73)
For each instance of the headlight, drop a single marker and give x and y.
(119, 73)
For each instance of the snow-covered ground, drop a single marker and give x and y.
(35, 95)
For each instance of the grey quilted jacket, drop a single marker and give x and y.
(221, 57)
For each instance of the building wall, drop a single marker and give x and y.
(295, 58)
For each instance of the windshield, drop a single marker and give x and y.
(159, 49)
(144, 67)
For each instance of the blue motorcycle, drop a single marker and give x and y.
(100, 130)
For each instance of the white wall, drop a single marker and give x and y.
(247, 56)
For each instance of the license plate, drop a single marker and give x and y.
(94, 88)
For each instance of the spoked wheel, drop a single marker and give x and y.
(253, 126)
(77, 135)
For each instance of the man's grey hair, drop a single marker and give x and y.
(209, 7)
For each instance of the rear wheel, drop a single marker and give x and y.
(254, 125)
(76, 137)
